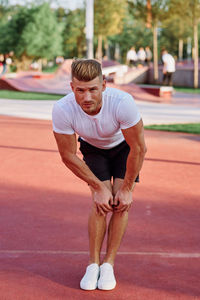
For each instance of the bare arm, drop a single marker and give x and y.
(134, 137)
(67, 146)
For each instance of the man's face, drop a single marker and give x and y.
(88, 94)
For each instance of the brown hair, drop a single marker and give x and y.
(86, 69)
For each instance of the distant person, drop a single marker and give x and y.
(8, 63)
(59, 60)
(131, 57)
(168, 67)
(141, 56)
(148, 55)
(3, 67)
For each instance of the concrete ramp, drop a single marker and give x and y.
(59, 82)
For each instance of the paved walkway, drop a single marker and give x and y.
(43, 220)
(44, 208)
(183, 109)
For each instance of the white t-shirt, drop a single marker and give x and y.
(131, 55)
(169, 62)
(141, 54)
(102, 130)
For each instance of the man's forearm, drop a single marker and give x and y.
(81, 170)
(133, 166)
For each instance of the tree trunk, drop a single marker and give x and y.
(107, 50)
(39, 65)
(196, 55)
(117, 52)
(155, 52)
(99, 48)
(149, 14)
(189, 48)
(180, 50)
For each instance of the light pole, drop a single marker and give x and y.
(89, 27)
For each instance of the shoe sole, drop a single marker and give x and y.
(91, 289)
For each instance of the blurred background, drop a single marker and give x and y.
(40, 34)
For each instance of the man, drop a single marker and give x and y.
(131, 57)
(148, 55)
(112, 143)
(141, 56)
(168, 67)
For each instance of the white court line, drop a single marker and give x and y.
(15, 253)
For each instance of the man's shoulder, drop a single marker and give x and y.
(66, 101)
(167, 56)
(116, 93)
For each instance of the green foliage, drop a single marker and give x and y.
(159, 9)
(33, 32)
(11, 32)
(108, 17)
(134, 33)
(74, 36)
(42, 35)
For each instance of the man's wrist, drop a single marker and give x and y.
(127, 187)
(97, 186)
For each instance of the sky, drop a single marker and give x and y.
(67, 4)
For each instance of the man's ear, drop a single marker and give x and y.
(72, 86)
(103, 85)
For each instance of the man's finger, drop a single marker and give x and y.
(100, 210)
(111, 202)
(122, 208)
(106, 208)
(129, 206)
(115, 201)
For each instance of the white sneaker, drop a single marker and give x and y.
(107, 278)
(89, 280)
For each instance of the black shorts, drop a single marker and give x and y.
(106, 163)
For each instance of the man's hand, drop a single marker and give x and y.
(123, 200)
(102, 197)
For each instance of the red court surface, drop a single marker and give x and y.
(43, 220)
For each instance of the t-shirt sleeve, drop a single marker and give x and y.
(61, 120)
(127, 113)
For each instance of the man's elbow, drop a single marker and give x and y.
(66, 159)
(141, 151)
(144, 150)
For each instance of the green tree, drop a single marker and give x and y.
(152, 13)
(43, 35)
(175, 33)
(74, 35)
(32, 33)
(134, 33)
(190, 13)
(108, 20)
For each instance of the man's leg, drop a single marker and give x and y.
(170, 78)
(116, 229)
(96, 230)
(164, 79)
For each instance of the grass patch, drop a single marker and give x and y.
(187, 128)
(178, 89)
(5, 94)
(187, 90)
(51, 69)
